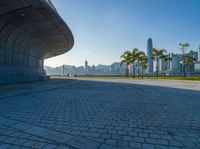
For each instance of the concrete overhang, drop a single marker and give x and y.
(41, 21)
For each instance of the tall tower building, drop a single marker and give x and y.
(149, 55)
(86, 64)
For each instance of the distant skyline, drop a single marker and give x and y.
(104, 29)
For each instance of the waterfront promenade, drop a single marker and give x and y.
(100, 114)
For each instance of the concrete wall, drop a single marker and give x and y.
(30, 31)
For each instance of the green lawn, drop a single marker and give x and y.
(138, 78)
(174, 78)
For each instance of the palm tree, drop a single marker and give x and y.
(167, 59)
(126, 59)
(141, 59)
(133, 59)
(135, 53)
(143, 63)
(184, 46)
(158, 54)
(188, 61)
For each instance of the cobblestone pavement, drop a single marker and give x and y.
(83, 114)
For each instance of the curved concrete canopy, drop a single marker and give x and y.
(30, 31)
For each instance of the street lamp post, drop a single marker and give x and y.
(183, 48)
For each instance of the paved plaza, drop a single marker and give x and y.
(100, 114)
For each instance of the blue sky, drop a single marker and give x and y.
(104, 29)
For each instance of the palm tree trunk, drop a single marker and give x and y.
(184, 70)
(133, 71)
(127, 72)
(142, 71)
(157, 64)
(187, 70)
(138, 69)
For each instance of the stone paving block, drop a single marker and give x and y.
(122, 143)
(7, 132)
(105, 136)
(135, 145)
(50, 146)
(116, 137)
(118, 128)
(39, 145)
(175, 143)
(133, 134)
(25, 135)
(10, 140)
(98, 139)
(128, 129)
(33, 138)
(190, 145)
(7, 121)
(22, 126)
(16, 134)
(168, 137)
(162, 142)
(75, 132)
(197, 144)
(84, 129)
(127, 138)
(19, 142)
(5, 146)
(144, 135)
(56, 136)
(105, 146)
(154, 136)
(93, 129)
(151, 141)
(122, 132)
(82, 143)
(35, 130)
(63, 147)
(3, 138)
(190, 139)
(147, 146)
(90, 134)
(112, 131)
(109, 127)
(138, 130)
(14, 147)
(102, 131)
(161, 147)
(111, 142)
(138, 139)
(173, 147)
(29, 143)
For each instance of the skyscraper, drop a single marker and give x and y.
(86, 64)
(149, 55)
